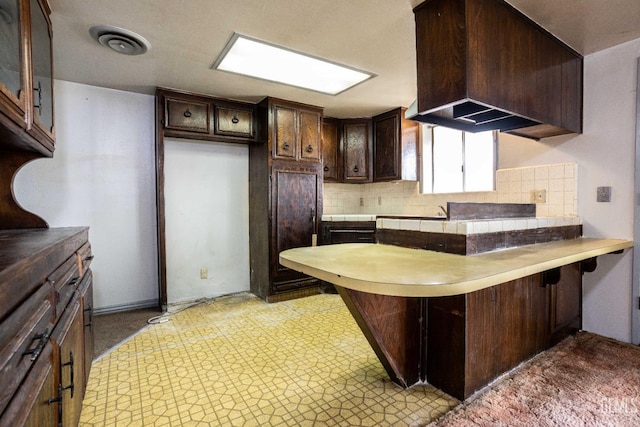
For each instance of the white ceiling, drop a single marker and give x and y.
(374, 35)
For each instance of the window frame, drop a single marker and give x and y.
(428, 138)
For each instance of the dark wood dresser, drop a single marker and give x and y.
(46, 334)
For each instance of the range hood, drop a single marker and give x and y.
(483, 65)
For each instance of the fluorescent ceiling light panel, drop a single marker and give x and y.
(255, 58)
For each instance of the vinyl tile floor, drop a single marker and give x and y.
(238, 361)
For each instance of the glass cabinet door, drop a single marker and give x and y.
(11, 74)
(42, 68)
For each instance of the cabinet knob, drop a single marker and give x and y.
(356, 169)
(285, 146)
(187, 113)
(235, 119)
(326, 168)
(309, 149)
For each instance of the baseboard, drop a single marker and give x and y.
(126, 307)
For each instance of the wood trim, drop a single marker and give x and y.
(160, 206)
(12, 215)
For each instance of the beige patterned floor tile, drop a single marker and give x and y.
(237, 361)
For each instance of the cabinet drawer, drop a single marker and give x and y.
(65, 281)
(23, 334)
(190, 115)
(234, 121)
(30, 406)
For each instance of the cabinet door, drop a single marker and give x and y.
(68, 339)
(42, 70)
(309, 131)
(86, 300)
(356, 150)
(395, 147)
(284, 128)
(12, 72)
(386, 147)
(295, 213)
(330, 141)
(566, 301)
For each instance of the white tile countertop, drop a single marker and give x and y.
(356, 217)
(465, 227)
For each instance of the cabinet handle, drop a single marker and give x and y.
(187, 113)
(35, 352)
(285, 146)
(326, 169)
(309, 149)
(89, 258)
(58, 400)
(73, 281)
(235, 119)
(39, 104)
(356, 169)
(90, 324)
(70, 365)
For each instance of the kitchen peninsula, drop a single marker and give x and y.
(457, 321)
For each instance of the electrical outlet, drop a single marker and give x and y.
(204, 273)
(361, 201)
(538, 196)
(379, 200)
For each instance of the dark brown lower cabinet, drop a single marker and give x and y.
(461, 343)
(45, 348)
(475, 337)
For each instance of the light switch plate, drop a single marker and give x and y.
(604, 194)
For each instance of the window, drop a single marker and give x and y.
(454, 161)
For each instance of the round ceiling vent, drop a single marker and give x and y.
(121, 40)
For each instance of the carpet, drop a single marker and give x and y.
(113, 328)
(586, 380)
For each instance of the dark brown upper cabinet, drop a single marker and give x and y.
(295, 130)
(202, 117)
(356, 150)
(395, 147)
(483, 65)
(26, 78)
(330, 149)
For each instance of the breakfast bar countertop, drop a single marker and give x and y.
(398, 271)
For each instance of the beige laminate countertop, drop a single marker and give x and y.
(398, 271)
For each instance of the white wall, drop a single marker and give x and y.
(207, 219)
(605, 154)
(102, 175)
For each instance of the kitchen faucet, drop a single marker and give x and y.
(443, 210)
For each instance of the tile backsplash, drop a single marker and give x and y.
(559, 182)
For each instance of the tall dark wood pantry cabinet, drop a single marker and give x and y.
(285, 196)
